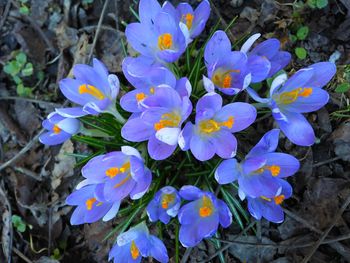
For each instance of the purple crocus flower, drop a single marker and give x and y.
(214, 125)
(146, 79)
(200, 218)
(164, 205)
(301, 93)
(59, 129)
(137, 243)
(258, 174)
(117, 175)
(232, 71)
(158, 35)
(160, 123)
(90, 207)
(270, 208)
(269, 50)
(194, 20)
(93, 89)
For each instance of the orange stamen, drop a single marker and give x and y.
(89, 89)
(165, 41)
(134, 251)
(207, 207)
(89, 203)
(56, 129)
(279, 199)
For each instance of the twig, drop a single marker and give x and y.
(328, 161)
(303, 245)
(8, 205)
(87, 28)
(217, 12)
(325, 234)
(98, 29)
(27, 172)
(5, 14)
(22, 151)
(186, 255)
(259, 239)
(31, 100)
(21, 255)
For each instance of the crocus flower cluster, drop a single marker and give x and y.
(260, 175)
(163, 116)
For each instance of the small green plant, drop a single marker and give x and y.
(317, 3)
(300, 52)
(24, 9)
(19, 68)
(18, 223)
(56, 254)
(302, 32)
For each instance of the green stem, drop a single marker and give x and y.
(94, 133)
(112, 110)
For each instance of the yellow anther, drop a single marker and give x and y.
(265, 198)
(151, 90)
(167, 199)
(165, 41)
(113, 171)
(93, 91)
(134, 251)
(279, 199)
(56, 129)
(123, 181)
(224, 79)
(188, 19)
(207, 207)
(291, 96)
(140, 96)
(274, 169)
(171, 119)
(89, 203)
(210, 126)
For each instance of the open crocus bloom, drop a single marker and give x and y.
(158, 35)
(232, 71)
(160, 123)
(200, 218)
(270, 208)
(212, 132)
(164, 205)
(93, 89)
(299, 94)
(136, 243)
(117, 175)
(90, 208)
(268, 50)
(59, 129)
(194, 20)
(146, 79)
(260, 172)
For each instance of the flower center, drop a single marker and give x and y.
(113, 171)
(134, 251)
(93, 91)
(188, 19)
(165, 41)
(210, 126)
(171, 119)
(89, 203)
(141, 96)
(167, 199)
(223, 79)
(277, 199)
(274, 169)
(207, 207)
(291, 96)
(56, 129)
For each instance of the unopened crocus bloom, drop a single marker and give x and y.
(268, 50)
(137, 243)
(301, 93)
(146, 79)
(59, 129)
(214, 125)
(194, 20)
(117, 175)
(164, 205)
(160, 123)
(260, 172)
(90, 208)
(158, 35)
(93, 89)
(232, 71)
(270, 208)
(200, 218)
